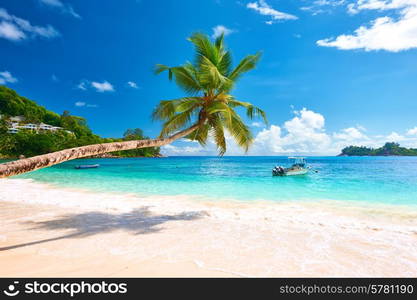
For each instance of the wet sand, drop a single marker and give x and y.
(49, 232)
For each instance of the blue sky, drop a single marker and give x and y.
(333, 73)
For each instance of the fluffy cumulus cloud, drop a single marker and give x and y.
(6, 77)
(304, 134)
(16, 29)
(265, 9)
(394, 32)
(63, 7)
(221, 29)
(351, 134)
(395, 137)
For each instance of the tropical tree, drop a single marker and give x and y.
(209, 110)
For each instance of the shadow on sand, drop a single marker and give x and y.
(139, 221)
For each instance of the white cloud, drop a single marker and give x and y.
(102, 87)
(185, 150)
(322, 6)
(10, 31)
(258, 124)
(304, 134)
(220, 29)
(354, 136)
(16, 29)
(6, 77)
(412, 131)
(265, 9)
(64, 8)
(351, 134)
(82, 85)
(84, 104)
(395, 137)
(132, 84)
(384, 33)
(351, 9)
(381, 4)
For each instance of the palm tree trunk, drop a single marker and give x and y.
(50, 159)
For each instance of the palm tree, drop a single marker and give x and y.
(208, 110)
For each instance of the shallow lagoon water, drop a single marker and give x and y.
(385, 180)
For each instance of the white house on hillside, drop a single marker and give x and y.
(14, 126)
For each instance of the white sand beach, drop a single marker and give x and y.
(50, 231)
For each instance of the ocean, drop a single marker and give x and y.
(385, 180)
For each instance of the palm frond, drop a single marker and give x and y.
(185, 78)
(210, 75)
(165, 110)
(219, 42)
(188, 103)
(168, 108)
(239, 131)
(215, 107)
(177, 122)
(200, 134)
(204, 48)
(255, 112)
(162, 68)
(217, 130)
(251, 110)
(225, 63)
(245, 65)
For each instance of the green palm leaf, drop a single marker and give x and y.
(177, 122)
(245, 65)
(239, 131)
(186, 79)
(204, 48)
(168, 108)
(251, 110)
(201, 134)
(218, 134)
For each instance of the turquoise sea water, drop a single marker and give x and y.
(388, 180)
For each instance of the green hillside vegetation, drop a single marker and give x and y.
(30, 143)
(389, 149)
(11, 104)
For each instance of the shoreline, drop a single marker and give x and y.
(53, 231)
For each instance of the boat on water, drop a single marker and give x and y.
(87, 166)
(298, 167)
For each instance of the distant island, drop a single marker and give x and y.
(389, 149)
(28, 129)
